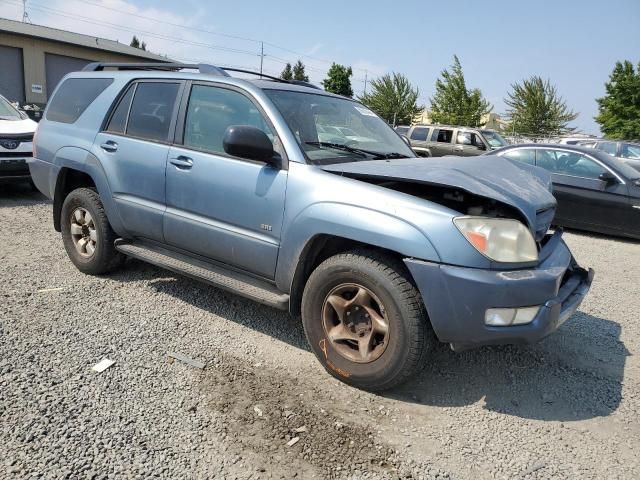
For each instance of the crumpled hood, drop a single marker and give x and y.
(527, 189)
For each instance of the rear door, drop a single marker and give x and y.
(441, 139)
(584, 200)
(222, 207)
(133, 150)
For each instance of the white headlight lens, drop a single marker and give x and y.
(500, 239)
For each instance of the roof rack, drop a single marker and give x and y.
(201, 67)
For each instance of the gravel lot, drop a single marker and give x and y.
(565, 408)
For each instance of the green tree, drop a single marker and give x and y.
(339, 80)
(298, 72)
(619, 110)
(136, 43)
(393, 98)
(536, 108)
(287, 73)
(455, 104)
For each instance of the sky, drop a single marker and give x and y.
(499, 42)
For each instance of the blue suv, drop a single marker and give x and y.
(237, 183)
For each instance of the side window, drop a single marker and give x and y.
(152, 110)
(523, 155)
(577, 165)
(442, 135)
(118, 121)
(546, 159)
(468, 138)
(74, 96)
(608, 147)
(420, 134)
(212, 110)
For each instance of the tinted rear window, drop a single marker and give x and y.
(152, 110)
(118, 120)
(73, 97)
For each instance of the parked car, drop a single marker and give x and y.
(402, 129)
(16, 137)
(595, 191)
(577, 140)
(628, 152)
(225, 180)
(441, 140)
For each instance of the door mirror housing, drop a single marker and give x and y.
(481, 146)
(249, 142)
(608, 177)
(405, 139)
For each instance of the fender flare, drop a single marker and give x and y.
(81, 160)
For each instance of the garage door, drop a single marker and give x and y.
(57, 66)
(11, 74)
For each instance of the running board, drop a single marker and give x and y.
(255, 289)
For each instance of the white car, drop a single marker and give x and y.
(16, 143)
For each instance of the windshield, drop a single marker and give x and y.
(494, 139)
(8, 111)
(335, 130)
(630, 150)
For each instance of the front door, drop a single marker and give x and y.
(468, 144)
(584, 200)
(133, 150)
(224, 208)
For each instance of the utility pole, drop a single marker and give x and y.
(261, 57)
(25, 15)
(366, 73)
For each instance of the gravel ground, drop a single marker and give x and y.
(567, 407)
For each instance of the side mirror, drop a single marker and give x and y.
(481, 146)
(405, 139)
(608, 177)
(249, 142)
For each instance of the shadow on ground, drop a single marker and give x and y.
(20, 195)
(574, 374)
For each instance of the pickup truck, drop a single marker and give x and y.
(228, 181)
(441, 140)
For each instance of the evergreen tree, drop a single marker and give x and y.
(394, 99)
(287, 73)
(455, 104)
(619, 109)
(339, 80)
(136, 43)
(298, 72)
(536, 108)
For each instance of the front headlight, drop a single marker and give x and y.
(500, 239)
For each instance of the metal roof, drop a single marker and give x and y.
(62, 36)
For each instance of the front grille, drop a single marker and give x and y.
(543, 221)
(15, 154)
(20, 137)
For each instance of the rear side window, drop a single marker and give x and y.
(152, 110)
(118, 121)
(442, 135)
(74, 96)
(420, 134)
(524, 155)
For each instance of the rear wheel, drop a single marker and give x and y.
(365, 320)
(86, 233)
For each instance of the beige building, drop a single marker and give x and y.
(33, 58)
(489, 120)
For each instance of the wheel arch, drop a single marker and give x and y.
(79, 168)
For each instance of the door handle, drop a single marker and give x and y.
(109, 146)
(182, 162)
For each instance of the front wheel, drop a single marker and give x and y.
(365, 320)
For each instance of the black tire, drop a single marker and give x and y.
(410, 338)
(105, 257)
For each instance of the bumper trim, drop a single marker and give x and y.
(456, 298)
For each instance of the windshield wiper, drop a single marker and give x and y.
(361, 151)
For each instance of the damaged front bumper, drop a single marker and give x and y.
(457, 298)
